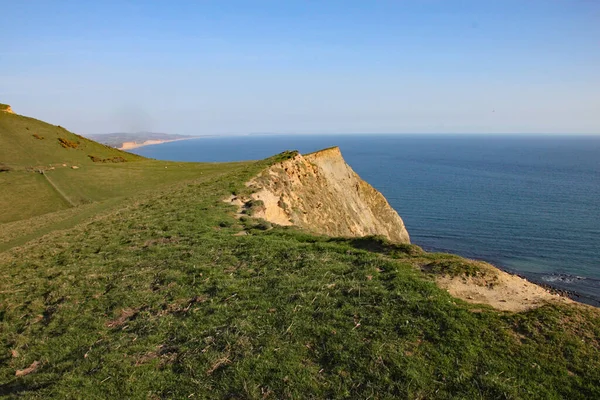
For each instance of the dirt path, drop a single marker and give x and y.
(60, 192)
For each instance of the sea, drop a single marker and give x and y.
(529, 204)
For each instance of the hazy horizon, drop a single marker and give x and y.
(294, 67)
(291, 133)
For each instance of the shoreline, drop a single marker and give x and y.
(134, 145)
(570, 293)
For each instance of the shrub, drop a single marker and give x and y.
(380, 244)
(453, 267)
(251, 207)
(66, 143)
(116, 159)
(263, 225)
(286, 155)
(282, 204)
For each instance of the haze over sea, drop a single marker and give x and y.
(528, 204)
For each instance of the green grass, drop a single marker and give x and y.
(36, 208)
(25, 194)
(28, 146)
(18, 233)
(32, 194)
(451, 265)
(161, 297)
(103, 181)
(21, 146)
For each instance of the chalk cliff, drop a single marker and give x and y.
(321, 193)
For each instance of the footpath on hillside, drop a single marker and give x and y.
(60, 192)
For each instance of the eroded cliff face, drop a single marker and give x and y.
(321, 193)
(6, 108)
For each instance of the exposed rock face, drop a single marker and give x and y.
(6, 108)
(498, 289)
(321, 193)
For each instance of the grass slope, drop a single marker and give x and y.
(28, 146)
(25, 194)
(27, 142)
(169, 296)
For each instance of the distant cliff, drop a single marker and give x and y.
(127, 141)
(321, 193)
(6, 108)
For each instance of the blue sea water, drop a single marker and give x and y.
(528, 204)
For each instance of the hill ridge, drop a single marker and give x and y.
(6, 108)
(29, 143)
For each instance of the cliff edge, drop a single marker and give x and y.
(321, 193)
(6, 108)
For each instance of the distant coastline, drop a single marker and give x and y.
(134, 145)
(128, 141)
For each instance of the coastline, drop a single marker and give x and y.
(584, 290)
(568, 293)
(571, 293)
(134, 145)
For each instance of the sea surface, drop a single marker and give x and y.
(527, 204)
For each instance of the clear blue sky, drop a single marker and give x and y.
(201, 67)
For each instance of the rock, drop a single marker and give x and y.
(6, 108)
(32, 368)
(321, 193)
(74, 167)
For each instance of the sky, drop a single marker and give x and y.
(235, 67)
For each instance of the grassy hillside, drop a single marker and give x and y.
(27, 142)
(36, 167)
(169, 296)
